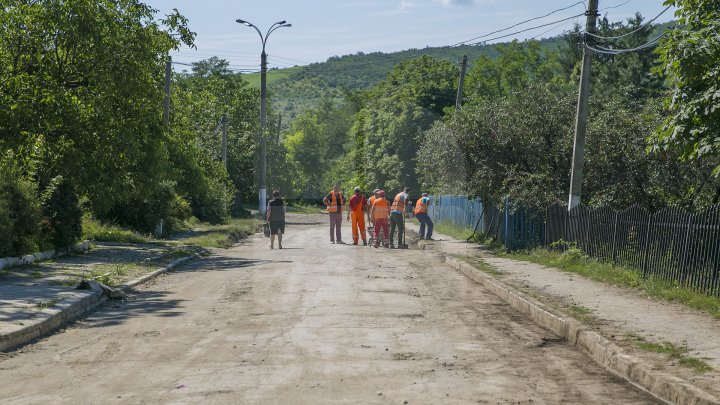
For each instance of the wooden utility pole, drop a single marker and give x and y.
(578, 161)
(458, 99)
(166, 101)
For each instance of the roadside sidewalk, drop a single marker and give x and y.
(37, 299)
(626, 317)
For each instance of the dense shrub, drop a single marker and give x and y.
(62, 215)
(19, 212)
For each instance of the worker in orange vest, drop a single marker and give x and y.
(421, 208)
(334, 203)
(358, 207)
(397, 212)
(371, 200)
(380, 212)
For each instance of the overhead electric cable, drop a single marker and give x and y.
(530, 29)
(615, 6)
(611, 51)
(520, 23)
(640, 28)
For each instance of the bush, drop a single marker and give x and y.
(19, 212)
(62, 215)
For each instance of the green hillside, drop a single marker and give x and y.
(298, 88)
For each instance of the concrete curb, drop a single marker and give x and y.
(600, 349)
(6, 262)
(71, 309)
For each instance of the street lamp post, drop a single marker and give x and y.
(262, 190)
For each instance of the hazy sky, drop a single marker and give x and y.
(325, 28)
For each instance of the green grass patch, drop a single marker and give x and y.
(223, 235)
(676, 352)
(446, 228)
(479, 264)
(573, 260)
(299, 207)
(580, 313)
(48, 304)
(173, 255)
(95, 230)
(36, 274)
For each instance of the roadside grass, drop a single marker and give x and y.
(95, 230)
(580, 313)
(449, 229)
(224, 235)
(301, 207)
(675, 352)
(573, 260)
(479, 264)
(48, 304)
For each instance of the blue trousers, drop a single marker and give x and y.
(425, 220)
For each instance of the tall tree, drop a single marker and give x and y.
(690, 54)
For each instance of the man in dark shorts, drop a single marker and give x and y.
(276, 218)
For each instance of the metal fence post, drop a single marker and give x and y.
(507, 225)
(614, 238)
(646, 249)
(686, 252)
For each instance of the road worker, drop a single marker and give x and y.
(397, 212)
(357, 210)
(380, 212)
(371, 200)
(421, 213)
(334, 203)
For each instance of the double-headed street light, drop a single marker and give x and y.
(262, 191)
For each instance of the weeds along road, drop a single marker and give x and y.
(312, 323)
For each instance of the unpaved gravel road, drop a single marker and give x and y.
(312, 323)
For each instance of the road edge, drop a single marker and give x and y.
(73, 309)
(604, 352)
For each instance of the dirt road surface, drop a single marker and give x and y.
(312, 323)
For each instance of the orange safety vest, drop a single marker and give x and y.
(334, 206)
(381, 209)
(421, 207)
(399, 205)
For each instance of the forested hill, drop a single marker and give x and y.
(296, 89)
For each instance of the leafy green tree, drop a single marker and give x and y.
(690, 55)
(81, 95)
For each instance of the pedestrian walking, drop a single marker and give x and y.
(276, 218)
(334, 203)
(357, 210)
(380, 211)
(421, 209)
(397, 212)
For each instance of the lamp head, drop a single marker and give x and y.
(281, 22)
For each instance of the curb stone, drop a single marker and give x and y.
(7, 262)
(71, 309)
(600, 349)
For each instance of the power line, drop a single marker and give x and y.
(611, 51)
(615, 6)
(531, 28)
(520, 23)
(640, 28)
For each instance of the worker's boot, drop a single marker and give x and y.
(364, 242)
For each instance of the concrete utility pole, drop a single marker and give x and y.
(224, 121)
(166, 101)
(458, 99)
(578, 161)
(262, 189)
(277, 135)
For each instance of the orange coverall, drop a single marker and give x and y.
(357, 205)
